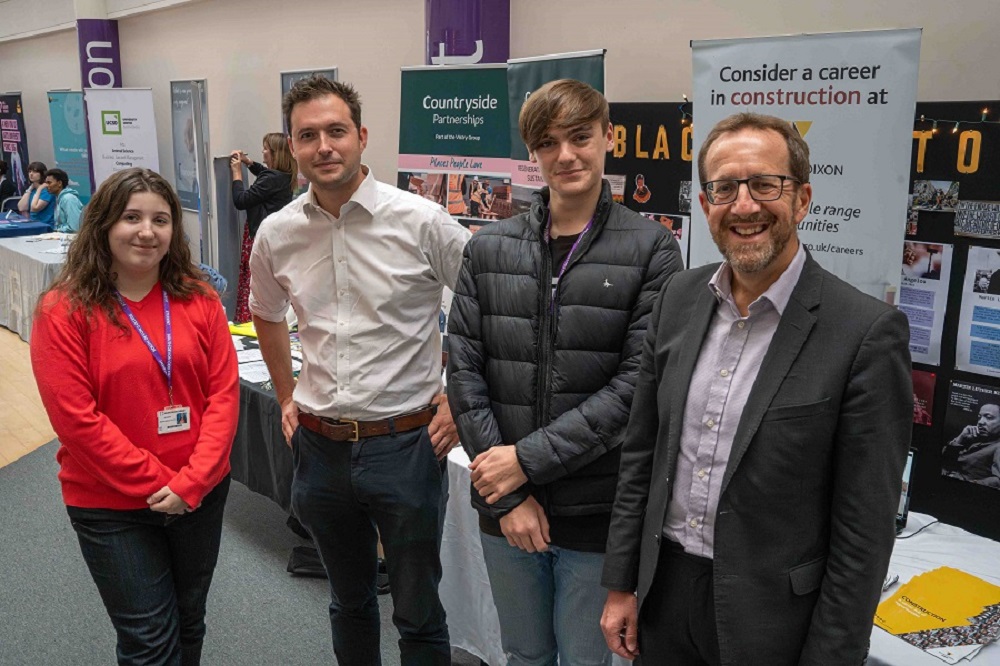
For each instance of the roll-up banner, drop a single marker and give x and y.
(69, 139)
(122, 130)
(852, 96)
(14, 140)
(454, 149)
(524, 76)
(188, 121)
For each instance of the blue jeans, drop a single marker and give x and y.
(549, 604)
(153, 572)
(342, 492)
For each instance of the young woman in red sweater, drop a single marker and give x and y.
(137, 371)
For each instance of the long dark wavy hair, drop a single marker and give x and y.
(87, 279)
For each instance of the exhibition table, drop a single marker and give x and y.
(27, 267)
(12, 226)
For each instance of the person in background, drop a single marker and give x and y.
(969, 456)
(36, 200)
(270, 192)
(137, 372)
(7, 187)
(545, 334)
(762, 466)
(67, 202)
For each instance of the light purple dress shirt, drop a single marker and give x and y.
(727, 367)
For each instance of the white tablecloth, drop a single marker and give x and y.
(26, 270)
(472, 617)
(937, 546)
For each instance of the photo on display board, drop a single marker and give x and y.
(676, 224)
(979, 219)
(923, 397)
(972, 424)
(473, 199)
(922, 260)
(940, 196)
(912, 216)
(684, 197)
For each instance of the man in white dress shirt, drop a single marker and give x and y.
(363, 265)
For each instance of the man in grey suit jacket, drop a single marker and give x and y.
(763, 461)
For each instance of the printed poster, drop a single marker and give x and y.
(851, 95)
(978, 344)
(122, 130)
(189, 140)
(524, 76)
(971, 451)
(69, 139)
(923, 296)
(454, 146)
(923, 397)
(651, 163)
(14, 140)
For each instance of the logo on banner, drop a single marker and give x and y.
(111, 122)
(802, 126)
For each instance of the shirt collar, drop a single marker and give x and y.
(779, 293)
(365, 196)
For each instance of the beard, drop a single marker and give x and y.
(747, 258)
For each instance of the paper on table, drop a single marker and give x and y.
(248, 355)
(256, 372)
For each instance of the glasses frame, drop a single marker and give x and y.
(745, 181)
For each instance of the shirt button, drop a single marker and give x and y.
(710, 423)
(741, 324)
(341, 354)
(724, 373)
(693, 523)
(701, 474)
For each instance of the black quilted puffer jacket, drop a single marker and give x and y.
(554, 375)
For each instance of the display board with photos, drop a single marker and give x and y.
(649, 166)
(950, 291)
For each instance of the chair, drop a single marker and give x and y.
(9, 204)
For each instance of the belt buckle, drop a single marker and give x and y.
(357, 433)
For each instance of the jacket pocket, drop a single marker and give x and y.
(806, 578)
(783, 412)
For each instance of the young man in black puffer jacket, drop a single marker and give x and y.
(545, 336)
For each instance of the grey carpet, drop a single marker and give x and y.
(51, 614)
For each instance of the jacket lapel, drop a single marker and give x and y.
(687, 355)
(793, 329)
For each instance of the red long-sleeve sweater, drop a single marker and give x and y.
(102, 389)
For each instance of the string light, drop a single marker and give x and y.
(686, 117)
(954, 130)
(984, 112)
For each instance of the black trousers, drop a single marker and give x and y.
(677, 624)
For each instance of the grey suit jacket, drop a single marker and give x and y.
(805, 522)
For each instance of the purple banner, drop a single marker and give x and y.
(100, 53)
(465, 32)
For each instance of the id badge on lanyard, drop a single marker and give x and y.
(172, 418)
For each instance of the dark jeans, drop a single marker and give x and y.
(153, 572)
(342, 492)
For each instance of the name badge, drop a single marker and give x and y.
(173, 419)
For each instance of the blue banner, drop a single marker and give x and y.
(69, 140)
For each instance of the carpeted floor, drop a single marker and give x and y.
(51, 614)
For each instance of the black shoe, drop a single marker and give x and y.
(382, 579)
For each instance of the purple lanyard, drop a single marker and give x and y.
(167, 367)
(569, 255)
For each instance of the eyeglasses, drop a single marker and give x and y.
(762, 188)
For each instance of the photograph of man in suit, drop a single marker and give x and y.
(762, 464)
(969, 456)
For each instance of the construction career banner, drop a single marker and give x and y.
(122, 130)
(14, 140)
(526, 75)
(454, 145)
(852, 96)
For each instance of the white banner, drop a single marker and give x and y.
(852, 96)
(122, 130)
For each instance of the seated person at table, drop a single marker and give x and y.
(68, 205)
(36, 201)
(7, 187)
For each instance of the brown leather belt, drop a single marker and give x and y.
(345, 430)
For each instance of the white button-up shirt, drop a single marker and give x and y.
(366, 288)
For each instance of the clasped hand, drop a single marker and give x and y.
(497, 473)
(165, 500)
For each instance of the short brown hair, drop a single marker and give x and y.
(317, 86)
(87, 279)
(563, 104)
(798, 149)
